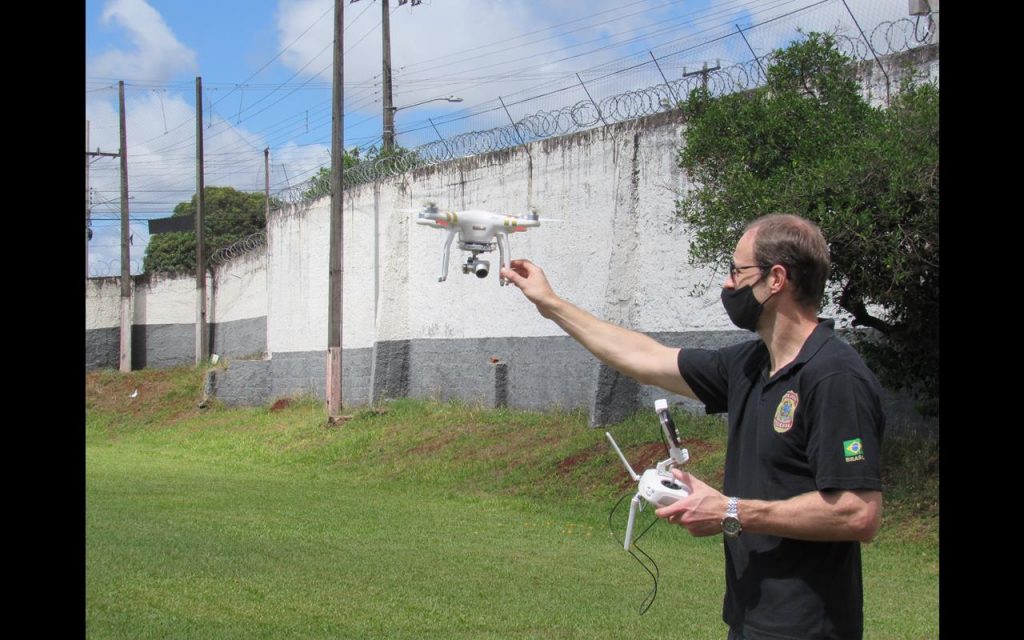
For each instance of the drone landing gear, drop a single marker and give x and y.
(445, 253)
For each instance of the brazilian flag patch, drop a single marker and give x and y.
(853, 450)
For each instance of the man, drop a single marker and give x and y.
(802, 471)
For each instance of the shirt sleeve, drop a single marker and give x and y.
(844, 443)
(706, 373)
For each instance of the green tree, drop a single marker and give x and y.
(808, 143)
(320, 184)
(228, 214)
(384, 162)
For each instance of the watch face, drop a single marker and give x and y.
(731, 526)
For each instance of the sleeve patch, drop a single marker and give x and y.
(853, 450)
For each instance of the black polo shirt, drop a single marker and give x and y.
(816, 425)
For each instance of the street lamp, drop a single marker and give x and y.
(389, 118)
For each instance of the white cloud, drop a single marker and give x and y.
(157, 55)
(424, 45)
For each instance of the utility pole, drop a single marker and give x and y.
(337, 233)
(388, 133)
(126, 284)
(266, 185)
(703, 72)
(389, 112)
(202, 343)
(87, 207)
(88, 204)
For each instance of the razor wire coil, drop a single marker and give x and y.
(240, 247)
(885, 39)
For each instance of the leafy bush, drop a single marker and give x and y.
(808, 143)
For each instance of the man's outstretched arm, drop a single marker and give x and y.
(629, 352)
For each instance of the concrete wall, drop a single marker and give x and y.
(618, 251)
(237, 310)
(102, 323)
(919, 65)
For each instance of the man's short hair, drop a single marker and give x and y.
(797, 244)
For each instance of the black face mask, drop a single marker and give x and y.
(743, 308)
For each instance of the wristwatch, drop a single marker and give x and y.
(731, 522)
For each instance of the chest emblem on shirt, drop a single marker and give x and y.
(786, 412)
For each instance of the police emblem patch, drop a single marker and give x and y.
(786, 412)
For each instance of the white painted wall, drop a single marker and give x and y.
(166, 300)
(297, 262)
(618, 250)
(238, 289)
(102, 303)
(584, 181)
(297, 255)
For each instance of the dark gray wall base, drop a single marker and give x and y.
(390, 369)
(102, 348)
(305, 372)
(615, 397)
(526, 373)
(163, 345)
(241, 383)
(302, 373)
(239, 338)
(168, 345)
(259, 382)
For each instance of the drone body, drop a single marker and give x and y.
(478, 232)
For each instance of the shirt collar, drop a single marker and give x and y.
(821, 334)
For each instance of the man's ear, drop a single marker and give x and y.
(778, 278)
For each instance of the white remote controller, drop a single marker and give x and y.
(661, 491)
(657, 486)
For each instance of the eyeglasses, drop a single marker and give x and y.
(734, 271)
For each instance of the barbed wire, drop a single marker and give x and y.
(885, 39)
(245, 245)
(112, 268)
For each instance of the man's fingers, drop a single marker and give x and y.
(512, 276)
(684, 478)
(523, 267)
(671, 510)
(690, 481)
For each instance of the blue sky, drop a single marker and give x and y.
(266, 73)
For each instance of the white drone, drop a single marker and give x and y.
(478, 232)
(657, 486)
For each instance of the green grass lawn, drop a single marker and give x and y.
(425, 520)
